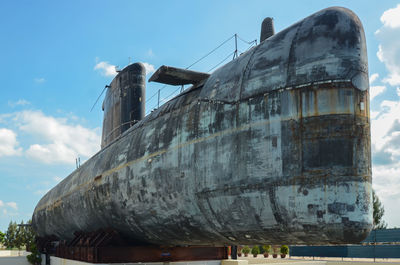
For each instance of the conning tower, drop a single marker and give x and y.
(267, 28)
(124, 104)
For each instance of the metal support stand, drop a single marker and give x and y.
(234, 252)
(158, 104)
(106, 246)
(235, 54)
(374, 244)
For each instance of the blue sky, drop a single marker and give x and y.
(57, 56)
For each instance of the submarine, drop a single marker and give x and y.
(271, 147)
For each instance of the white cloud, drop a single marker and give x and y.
(385, 136)
(41, 192)
(391, 17)
(386, 184)
(389, 54)
(109, 70)
(385, 122)
(373, 77)
(48, 139)
(376, 90)
(58, 141)
(20, 102)
(149, 68)
(9, 143)
(39, 80)
(12, 205)
(389, 48)
(150, 53)
(4, 117)
(57, 179)
(385, 128)
(106, 68)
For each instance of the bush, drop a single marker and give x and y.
(261, 248)
(255, 251)
(35, 257)
(246, 250)
(284, 249)
(266, 248)
(275, 250)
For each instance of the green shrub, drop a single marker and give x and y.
(275, 250)
(34, 258)
(246, 250)
(255, 250)
(284, 249)
(261, 248)
(266, 248)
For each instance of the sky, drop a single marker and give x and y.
(57, 56)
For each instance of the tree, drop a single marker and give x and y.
(20, 236)
(30, 235)
(378, 211)
(9, 240)
(34, 258)
(2, 235)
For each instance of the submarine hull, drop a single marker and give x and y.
(274, 147)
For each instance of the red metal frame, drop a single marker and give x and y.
(105, 246)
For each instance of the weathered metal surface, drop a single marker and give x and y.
(124, 104)
(273, 148)
(267, 28)
(177, 76)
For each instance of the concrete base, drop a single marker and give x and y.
(61, 261)
(234, 262)
(304, 262)
(13, 253)
(287, 261)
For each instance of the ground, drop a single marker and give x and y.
(261, 260)
(14, 261)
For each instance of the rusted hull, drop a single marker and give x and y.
(275, 147)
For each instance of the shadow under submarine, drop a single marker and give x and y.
(272, 147)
